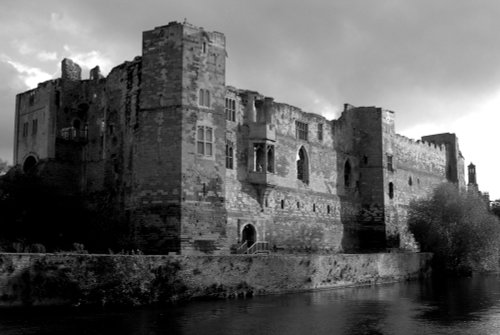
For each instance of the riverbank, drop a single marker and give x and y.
(79, 279)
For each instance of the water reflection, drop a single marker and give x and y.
(460, 306)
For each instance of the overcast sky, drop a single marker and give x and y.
(435, 63)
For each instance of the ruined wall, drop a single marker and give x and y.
(203, 216)
(293, 215)
(35, 123)
(156, 194)
(65, 279)
(417, 168)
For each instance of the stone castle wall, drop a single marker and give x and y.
(133, 139)
(66, 279)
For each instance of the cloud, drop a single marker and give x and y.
(89, 59)
(62, 22)
(46, 55)
(30, 76)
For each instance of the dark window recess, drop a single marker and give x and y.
(259, 157)
(302, 166)
(282, 204)
(31, 98)
(270, 158)
(204, 47)
(34, 127)
(229, 155)
(314, 207)
(301, 130)
(328, 209)
(410, 181)
(391, 190)
(25, 129)
(347, 174)
(390, 167)
(230, 109)
(365, 160)
(320, 132)
(298, 204)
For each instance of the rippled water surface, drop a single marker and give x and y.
(459, 306)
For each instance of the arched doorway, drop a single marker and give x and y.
(248, 235)
(29, 164)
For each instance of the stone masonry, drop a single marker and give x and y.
(195, 166)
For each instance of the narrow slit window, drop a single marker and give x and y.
(229, 155)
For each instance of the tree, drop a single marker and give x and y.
(4, 166)
(458, 228)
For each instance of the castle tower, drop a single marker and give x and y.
(472, 175)
(180, 152)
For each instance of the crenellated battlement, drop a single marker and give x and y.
(419, 143)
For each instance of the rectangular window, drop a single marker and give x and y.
(25, 129)
(34, 128)
(204, 98)
(229, 155)
(204, 140)
(389, 163)
(32, 98)
(320, 131)
(230, 109)
(301, 130)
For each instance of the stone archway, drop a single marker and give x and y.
(249, 235)
(29, 164)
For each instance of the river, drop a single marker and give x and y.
(453, 306)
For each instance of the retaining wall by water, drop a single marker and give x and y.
(44, 279)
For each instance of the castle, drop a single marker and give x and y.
(196, 166)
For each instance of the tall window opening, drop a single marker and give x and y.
(230, 109)
(25, 129)
(390, 167)
(302, 165)
(391, 190)
(229, 155)
(204, 98)
(34, 127)
(259, 157)
(320, 131)
(204, 140)
(347, 174)
(301, 130)
(270, 158)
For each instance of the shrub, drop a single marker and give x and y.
(458, 228)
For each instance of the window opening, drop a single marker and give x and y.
(298, 205)
(347, 174)
(230, 109)
(25, 129)
(301, 130)
(410, 181)
(204, 140)
(320, 132)
(314, 207)
(270, 158)
(328, 209)
(391, 190)
(259, 157)
(204, 98)
(229, 155)
(302, 166)
(389, 163)
(34, 127)
(365, 160)
(282, 204)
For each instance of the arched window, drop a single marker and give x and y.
(347, 174)
(302, 165)
(410, 181)
(391, 190)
